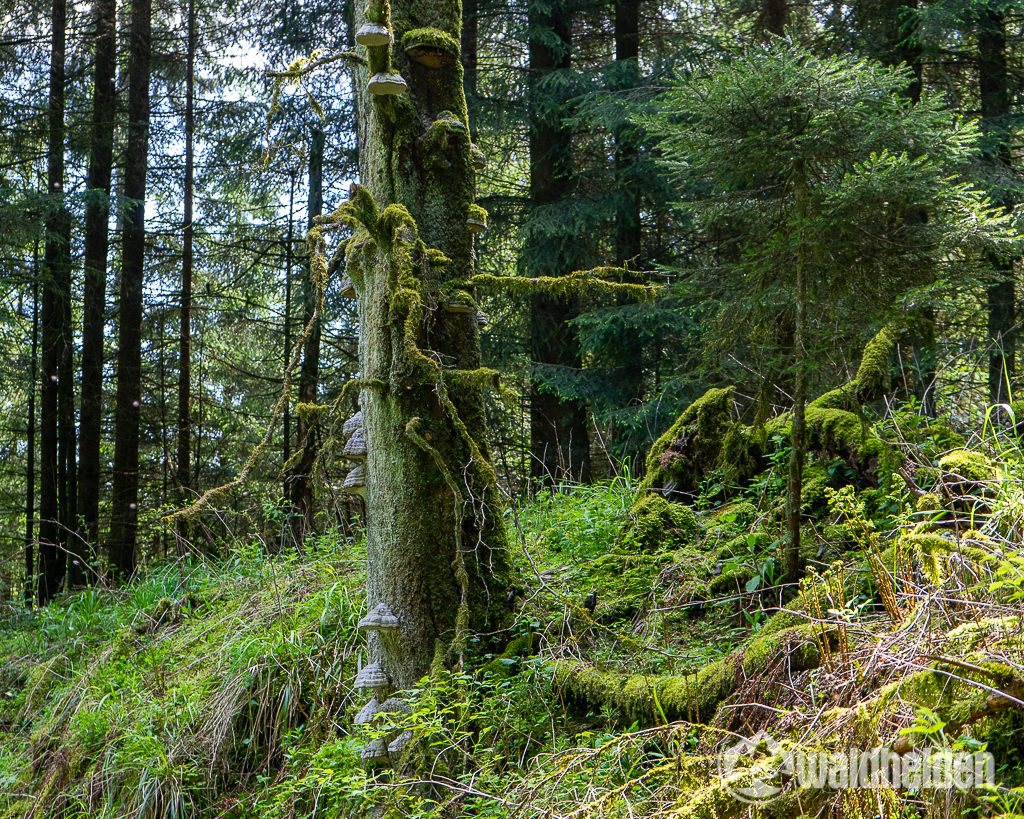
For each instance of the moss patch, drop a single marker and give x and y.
(969, 464)
(681, 457)
(658, 524)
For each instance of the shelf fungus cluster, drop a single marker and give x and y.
(376, 35)
(355, 450)
(430, 47)
(373, 35)
(386, 84)
(477, 158)
(385, 711)
(476, 219)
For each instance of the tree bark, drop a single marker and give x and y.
(903, 46)
(286, 432)
(559, 441)
(125, 496)
(56, 329)
(97, 241)
(798, 437)
(774, 17)
(188, 235)
(993, 88)
(436, 546)
(302, 475)
(30, 444)
(627, 51)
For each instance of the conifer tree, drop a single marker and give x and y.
(821, 171)
(124, 517)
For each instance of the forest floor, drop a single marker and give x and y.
(681, 688)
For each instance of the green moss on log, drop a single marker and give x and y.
(649, 699)
(693, 445)
(969, 464)
(659, 524)
(432, 38)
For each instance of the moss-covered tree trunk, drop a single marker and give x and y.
(435, 536)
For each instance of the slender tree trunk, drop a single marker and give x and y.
(904, 48)
(797, 442)
(286, 446)
(630, 369)
(627, 51)
(188, 233)
(56, 307)
(559, 441)
(30, 444)
(302, 483)
(165, 447)
(436, 546)
(993, 87)
(97, 241)
(125, 496)
(774, 17)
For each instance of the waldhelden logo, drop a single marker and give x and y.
(933, 767)
(751, 790)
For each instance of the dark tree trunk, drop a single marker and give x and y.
(627, 51)
(559, 441)
(904, 48)
(628, 227)
(286, 445)
(798, 437)
(56, 308)
(97, 240)
(993, 88)
(188, 233)
(302, 476)
(436, 548)
(125, 497)
(30, 445)
(774, 17)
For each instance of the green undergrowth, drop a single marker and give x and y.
(649, 635)
(170, 697)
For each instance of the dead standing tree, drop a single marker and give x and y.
(436, 543)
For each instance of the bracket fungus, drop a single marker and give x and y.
(367, 713)
(352, 424)
(430, 47)
(386, 85)
(376, 751)
(373, 34)
(379, 618)
(355, 481)
(481, 319)
(348, 288)
(372, 676)
(394, 705)
(398, 743)
(355, 449)
(476, 220)
(477, 158)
